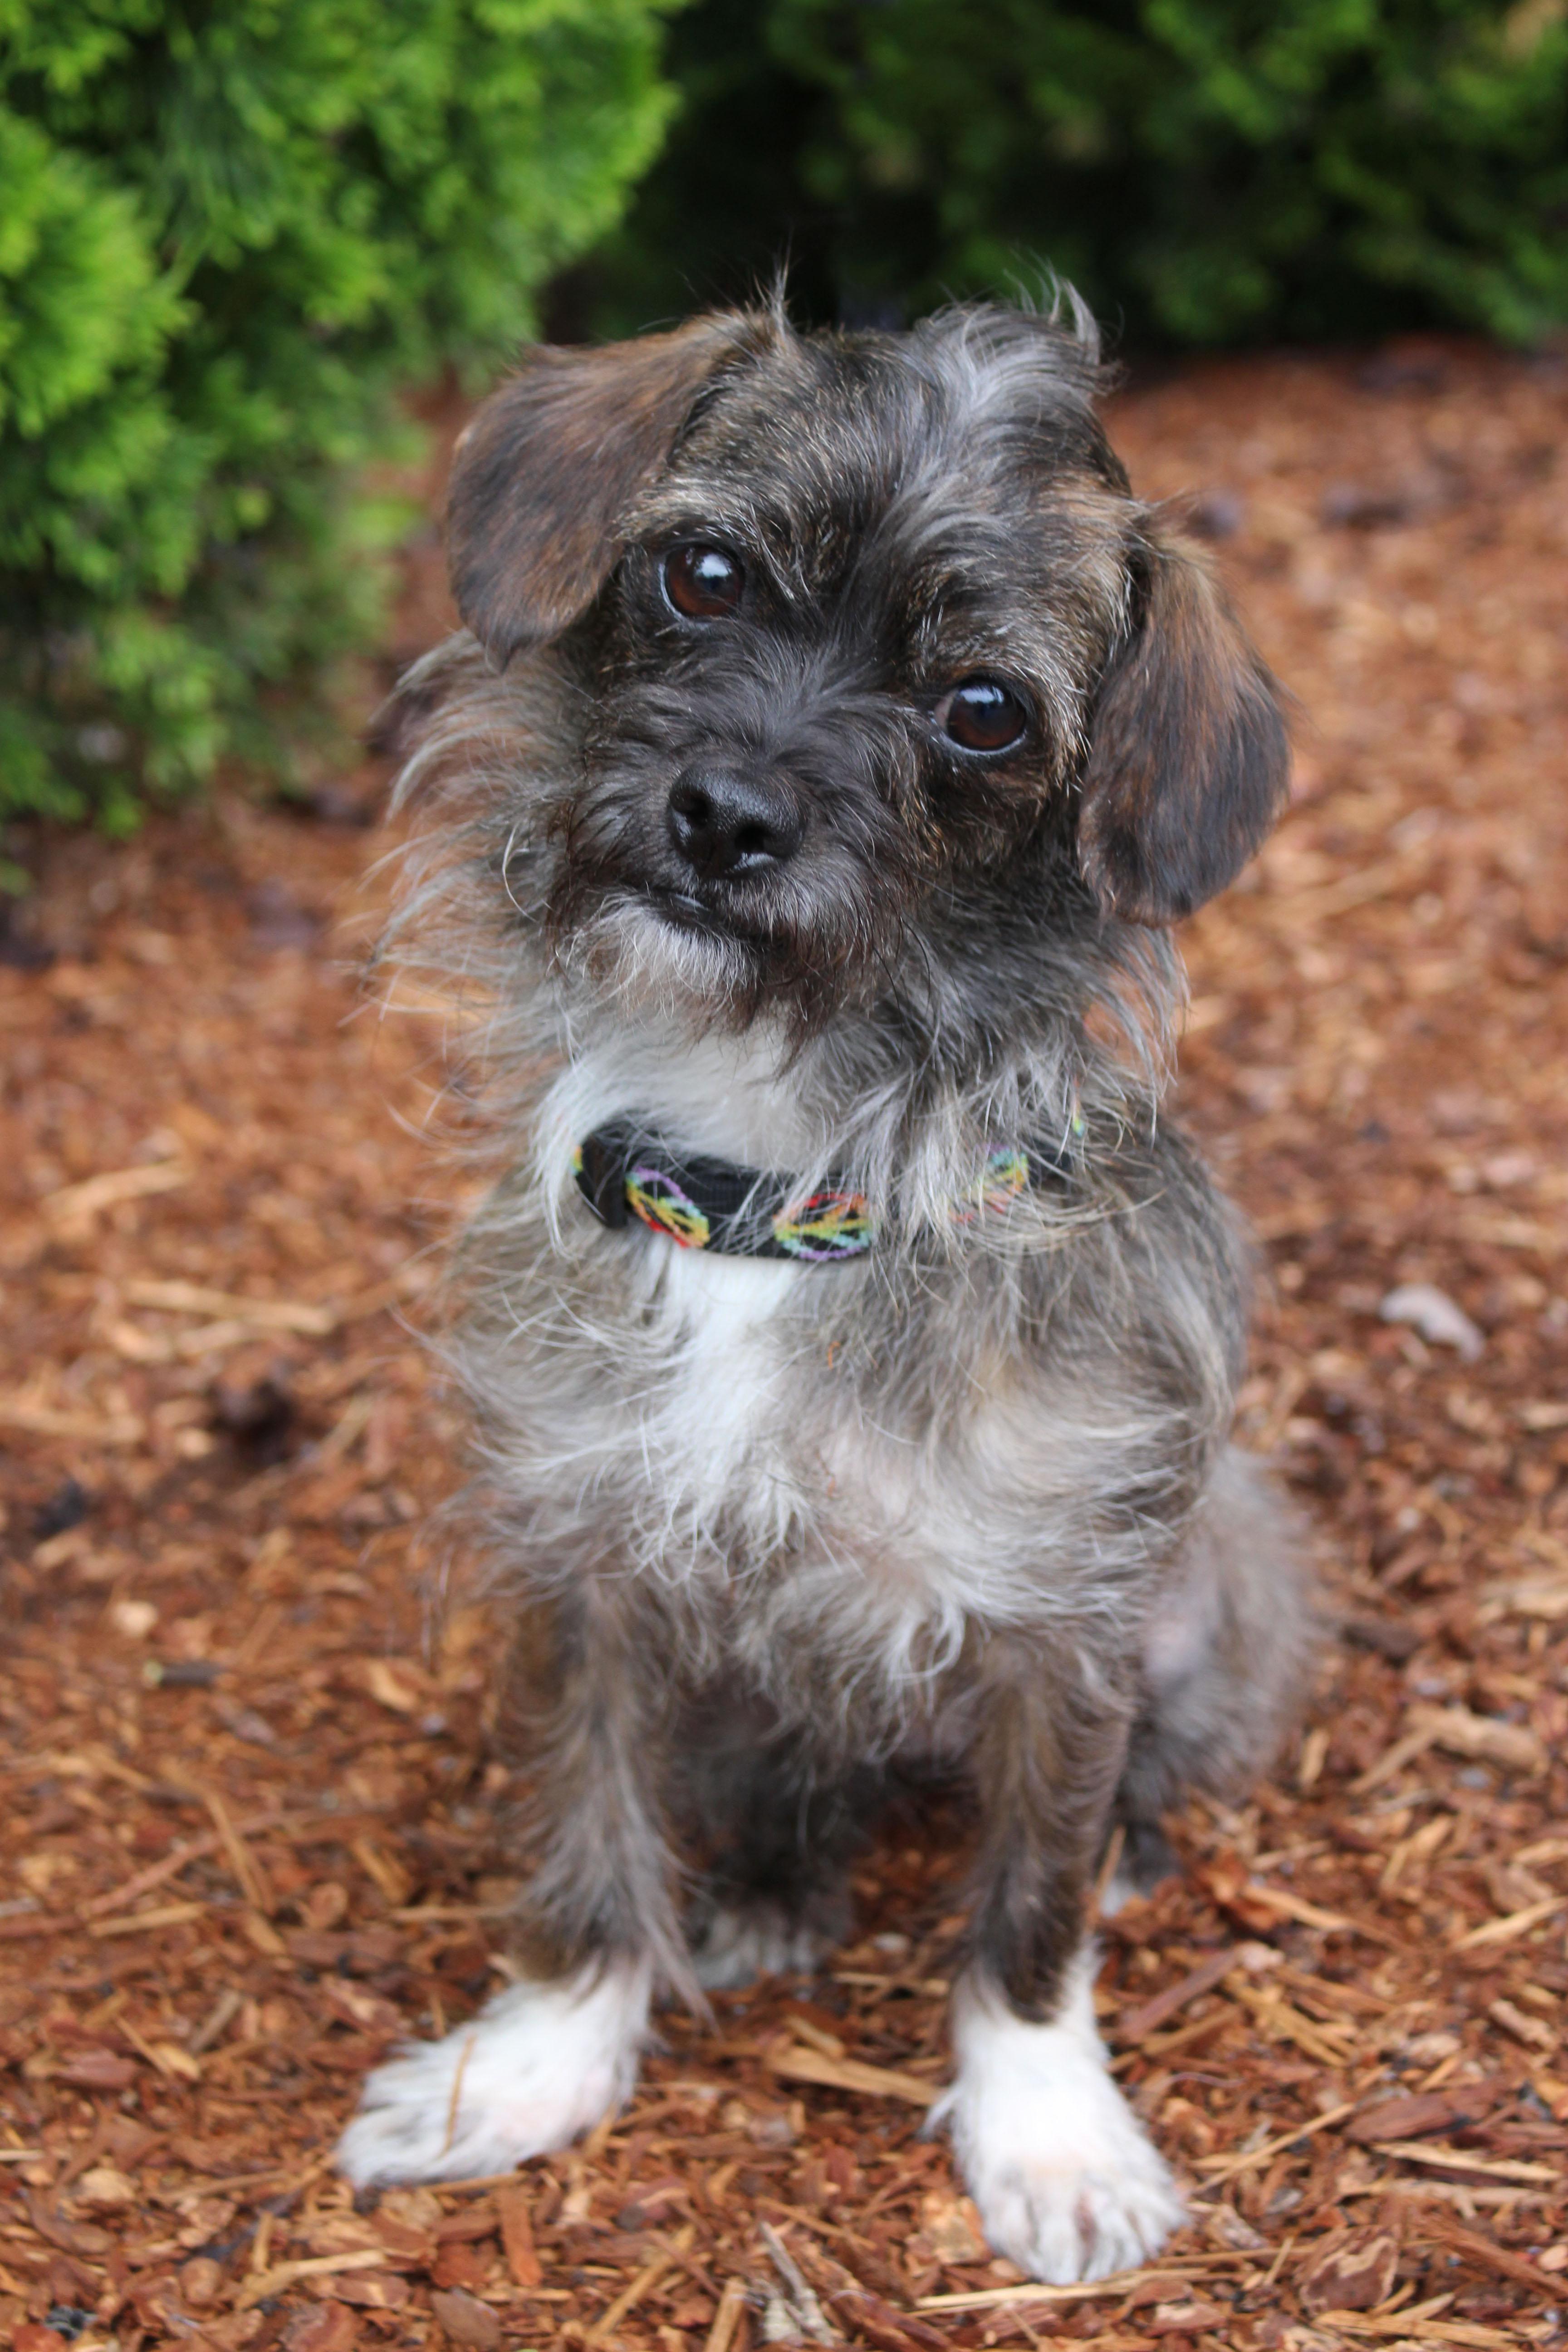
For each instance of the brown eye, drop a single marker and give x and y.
(702, 583)
(982, 716)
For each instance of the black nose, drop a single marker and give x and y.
(724, 823)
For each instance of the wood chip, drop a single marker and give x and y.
(260, 1314)
(1030, 2291)
(143, 1923)
(603, 2329)
(1460, 1733)
(1502, 2261)
(1353, 2270)
(517, 2236)
(1512, 1924)
(727, 2318)
(93, 1428)
(465, 2320)
(273, 2280)
(1135, 2024)
(78, 1203)
(1533, 2031)
(1408, 2114)
(849, 2075)
(1225, 2167)
(1461, 2159)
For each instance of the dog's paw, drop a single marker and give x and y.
(539, 2064)
(1067, 2183)
(1074, 2198)
(740, 1942)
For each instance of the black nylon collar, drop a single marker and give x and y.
(711, 1204)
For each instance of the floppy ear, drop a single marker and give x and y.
(1188, 759)
(543, 475)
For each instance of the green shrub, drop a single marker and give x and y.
(1206, 170)
(230, 232)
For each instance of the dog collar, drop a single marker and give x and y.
(711, 1204)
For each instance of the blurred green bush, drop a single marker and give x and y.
(1205, 171)
(230, 231)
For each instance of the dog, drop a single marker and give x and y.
(852, 1340)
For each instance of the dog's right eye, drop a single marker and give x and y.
(702, 583)
(983, 715)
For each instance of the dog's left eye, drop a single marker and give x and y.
(703, 584)
(983, 715)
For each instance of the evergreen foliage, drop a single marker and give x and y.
(1205, 171)
(230, 230)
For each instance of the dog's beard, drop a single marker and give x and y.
(622, 946)
(648, 954)
(798, 948)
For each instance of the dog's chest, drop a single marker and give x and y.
(764, 1434)
(718, 1403)
(728, 1361)
(712, 1357)
(800, 1437)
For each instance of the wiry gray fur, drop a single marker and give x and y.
(967, 1502)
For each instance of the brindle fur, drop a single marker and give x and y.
(775, 1532)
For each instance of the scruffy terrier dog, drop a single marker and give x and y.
(854, 1343)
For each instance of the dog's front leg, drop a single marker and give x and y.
(1067, 2183)
(548, 2057)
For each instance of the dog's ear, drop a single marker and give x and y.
(1188, 760)
(543, 475)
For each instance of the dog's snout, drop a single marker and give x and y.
(725, 824)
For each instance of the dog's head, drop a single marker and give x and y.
(854, 625)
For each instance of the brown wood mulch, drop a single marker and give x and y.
(249, 1817)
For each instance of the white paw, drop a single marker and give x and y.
(1067, 2186)
(540, 2064)
(757, 1940)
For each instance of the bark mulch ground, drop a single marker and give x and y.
(249, 1816)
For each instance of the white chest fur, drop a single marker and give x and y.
(715, 1407)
